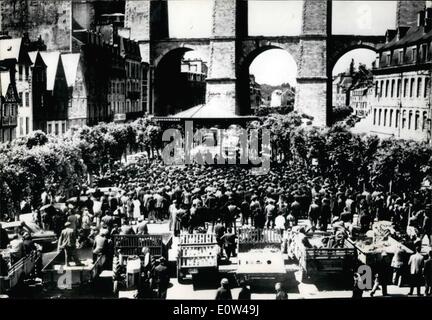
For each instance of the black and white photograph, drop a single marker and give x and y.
(215, 150)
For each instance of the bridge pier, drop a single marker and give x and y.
(221, 80)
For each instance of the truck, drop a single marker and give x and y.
(128, 252)
(321, 258)
(19, 271)
(260, 257)
(58, 276)
(198, 253)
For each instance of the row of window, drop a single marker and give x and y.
(55, 128)
(411, 120)
(21, 126)
(406, 55)
(117, 87)
(23, 73)
(133, 70)
(25, 100)
(9, 110)
(418, 87)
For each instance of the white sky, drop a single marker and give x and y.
(364, 56)
(363, 17)
(266, 71)
(192, 19)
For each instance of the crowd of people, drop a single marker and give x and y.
(193, 197)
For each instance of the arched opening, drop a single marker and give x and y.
(352, 82)
(267, 81)
(180, 81)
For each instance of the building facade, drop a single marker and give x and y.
(402, 82)
(361, 100)
(340, 90)
(50, 93)
(9, 101)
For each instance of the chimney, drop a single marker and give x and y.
(420, 18)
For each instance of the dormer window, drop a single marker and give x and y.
(401, 57)
(414, 54)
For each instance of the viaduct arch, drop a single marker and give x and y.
(231, 49)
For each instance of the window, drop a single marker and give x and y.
(381, 88)
(56, 129)
(27, 125)
(398, 88)
(392, 88)
(401, 57)
(405, 87)
(379, 117)
(63, 127)
(387, 88)
(388, 59)
(426, 87)
(21, 130)
(414, 54)
(49, 128)
(391, 118)
(423, 52)
(397, 118)
(409, 119)
(20, 72)
(26, 73)
(27, 99)
(419, 86)
(412, 87)
(424, 122)
(416, 120)
(385, 117)
(21, 98)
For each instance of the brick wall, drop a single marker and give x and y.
(314, 17)
(51, 19)
(406, 14)
(137, 18)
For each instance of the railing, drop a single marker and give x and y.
(266, 236)
(199, 238)
(24, 266)
(132, 245)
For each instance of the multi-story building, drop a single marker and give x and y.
(130, 51)
(362, 92)
(96, 59)
(13, 55)
(341, 84)
(9, 101)
(360, 97)
(254, 92)
(402, 86)
(78, 112)
(50, 92)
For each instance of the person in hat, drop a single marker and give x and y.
(142, 226)
(427, 273)
(16, 248)
(4, 238)
(67, 242)
(161, 278)
(280, 293)
(100, 244)
(224, 292)
(416, 263)
(28, 244)
(383, 271)
(245, 293)
(357, 292)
